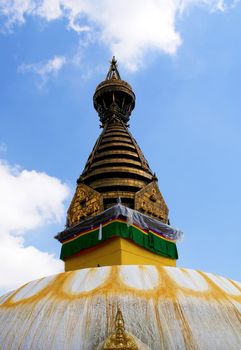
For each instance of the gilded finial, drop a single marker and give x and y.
(119, 339)
(113, 72)
(114, 96)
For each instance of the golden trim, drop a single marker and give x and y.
(116, 161)
(119, 169)
(117, 182)
(115, 151)
(120, 144)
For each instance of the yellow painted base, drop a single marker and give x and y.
(116, 251)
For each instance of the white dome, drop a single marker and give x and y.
(163, 308)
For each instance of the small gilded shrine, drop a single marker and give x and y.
(119, 339)
(118, 214)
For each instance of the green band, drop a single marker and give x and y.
(151, 242)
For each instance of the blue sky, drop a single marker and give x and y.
(183, 62)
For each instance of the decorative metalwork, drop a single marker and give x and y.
(114, 96)
(86, 202)
(120, 339)
(149, 201)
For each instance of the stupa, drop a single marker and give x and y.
(121, 288)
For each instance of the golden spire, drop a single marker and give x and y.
(113, 72)
(116, 167)
(119, 339)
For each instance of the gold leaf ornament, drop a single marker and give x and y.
(119, 339)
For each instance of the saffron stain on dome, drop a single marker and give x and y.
(141, 280)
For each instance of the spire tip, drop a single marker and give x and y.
(113, 72)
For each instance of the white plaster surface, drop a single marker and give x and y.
(140, 277)
(224, 284)
(86, 280)
(32, 288)
(4, 297)
(187, 278)
(163, 308)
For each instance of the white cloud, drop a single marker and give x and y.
(128, 28)
(21, 264)
(29, 200)
(15, 10)
(44, 69)
(212, 5)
